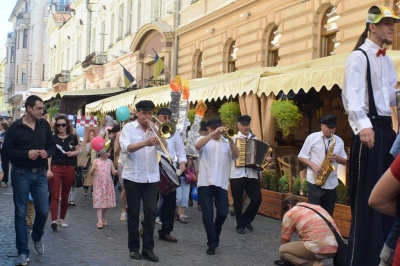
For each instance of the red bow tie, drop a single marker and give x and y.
(381, 52)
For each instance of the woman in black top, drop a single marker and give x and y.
(62, 168)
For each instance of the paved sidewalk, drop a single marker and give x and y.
(83, 244)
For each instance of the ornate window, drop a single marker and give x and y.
(232, 57)
(328, 32)
(199, 66)
(273, 48)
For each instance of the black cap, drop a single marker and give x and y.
(329, 120)
(244, 119)
(164, 111)
(203, 126)
(116, 128)
(214, 122)
(145, 105)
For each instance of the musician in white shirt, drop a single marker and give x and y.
(244, 179)
(215, 154)
(367, 102)
(141, 174)
(178, 155)
(313, 153)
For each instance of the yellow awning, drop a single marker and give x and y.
(317, 73)
(90, 92)
(218, 87)
(111, 103)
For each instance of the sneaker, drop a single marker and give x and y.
(123, 216)
(37, 246)
(62, 223)
(54, 226)
(22, 259)
(85, 192)
(158, 221)
(184, 216)
(72, 204)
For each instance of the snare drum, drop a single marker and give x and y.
(169, 181)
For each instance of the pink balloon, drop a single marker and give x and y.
(98, 143)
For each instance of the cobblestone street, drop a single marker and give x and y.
(83, 244)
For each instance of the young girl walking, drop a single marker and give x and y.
(103, 187)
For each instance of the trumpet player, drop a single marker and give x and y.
(140, 177)
(215, 154)
(321, 148)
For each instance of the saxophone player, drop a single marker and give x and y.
(321, 151)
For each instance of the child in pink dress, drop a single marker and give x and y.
(103, 187)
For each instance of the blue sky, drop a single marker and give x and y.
(6, 7)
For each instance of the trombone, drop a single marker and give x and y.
(166, 131)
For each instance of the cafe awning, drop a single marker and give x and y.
(111, 103)
(72, 101)
(318, 73)
(212, 88)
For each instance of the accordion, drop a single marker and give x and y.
(252, 152)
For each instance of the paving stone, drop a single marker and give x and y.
(83, 244)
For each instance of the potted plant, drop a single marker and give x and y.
(342, 212)
(286, 115)
(272, 199)
(229, 113)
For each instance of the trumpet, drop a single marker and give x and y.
(165, 131)
(229, 132)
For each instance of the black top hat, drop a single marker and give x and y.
(214, 122)
(329, 120)
(164, 111)
(244, 119)
(145, 105)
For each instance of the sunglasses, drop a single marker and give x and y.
(61, 125)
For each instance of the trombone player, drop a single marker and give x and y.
(140, 177)
(245, 179)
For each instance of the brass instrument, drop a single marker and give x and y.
(229, 132)
(326, 167)
(166, 131)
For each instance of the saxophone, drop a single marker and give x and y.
(327, 167)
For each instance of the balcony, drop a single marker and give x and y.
(95, 58)
(93, 66)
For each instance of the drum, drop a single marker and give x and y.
(169, 181)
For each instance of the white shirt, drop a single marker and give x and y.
(140, 166)
(238, 172)
(176, 149)
(314, 150)
(355, 86)
(215, 162)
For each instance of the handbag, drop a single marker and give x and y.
(340, 257)
(78, 182)
(190, 176)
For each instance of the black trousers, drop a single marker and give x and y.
(326, 198)
(135, 192)
(5, 164)
(252, 188)
(168, 214)
(369, 228)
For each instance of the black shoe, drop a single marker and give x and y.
(54, 226)
(71, 203)
(149, 255)
(135, 255)
(250, 227)
(168, 238)
(240, 230)
(210, 251)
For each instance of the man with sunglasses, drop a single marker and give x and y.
(28, 144)
(312, 154)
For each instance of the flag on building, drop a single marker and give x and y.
(158, 66)
(128, 78)
(86, 121)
